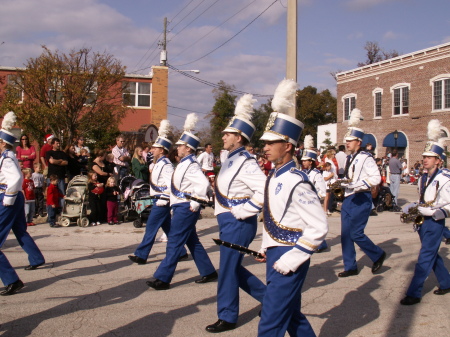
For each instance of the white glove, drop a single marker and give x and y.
(355, 185)
(439, 214)
(194, 206)
(241, 213)
(426, 211)
(406, 208)
(291, 260)
(161, 202)
(345, 185)
(262, 251)
(281, 267)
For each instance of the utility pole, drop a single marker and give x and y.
(291, 47)
(163, 58)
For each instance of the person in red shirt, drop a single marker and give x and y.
(53, 200)
(30, 199)
(46, 147)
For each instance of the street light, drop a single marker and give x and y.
(395, 138)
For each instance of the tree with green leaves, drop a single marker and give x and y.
(221, 113)
(68, 95)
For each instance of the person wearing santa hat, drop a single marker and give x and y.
(46, 147)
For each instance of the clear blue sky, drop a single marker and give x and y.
(332, 34)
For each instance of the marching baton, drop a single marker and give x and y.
(240, 249)
(202, 202)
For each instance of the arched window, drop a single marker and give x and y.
(441, 92)
(400, 99)
(349, 103)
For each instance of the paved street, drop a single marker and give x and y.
(88, 287)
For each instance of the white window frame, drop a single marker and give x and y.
(10, 82)
(55, 95)
(440, 78)
(137, 94)
(392, 90)
(346, 114)
(374, 94)
(92, 95)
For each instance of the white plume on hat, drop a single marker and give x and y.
(244, 107)
(191, 121)
(355, 117)
(9, 121)
(308, 143)
(434, 130)
(164, 128)
(283, 97)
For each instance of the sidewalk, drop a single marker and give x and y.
(88, 287)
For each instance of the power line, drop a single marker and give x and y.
(184, 17)
(137, 64)
(181, 10)
(193, 44)
(212, 51)
(175, 107)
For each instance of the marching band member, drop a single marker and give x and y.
(357, 205)
(294, 223)
(12, 215)
(159, 189)
(188, 183)
(434, 190)
(308, 160)
(239, 197)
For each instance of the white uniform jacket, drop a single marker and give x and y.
(293, 215)
(438, 190)
(363, 171)
(316, 177)
(160, 178)
(188, 178)
(240, 182)
(11, 178)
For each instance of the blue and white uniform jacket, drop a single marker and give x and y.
(363, 171)
(293, 215)
(188, 178)
(240, 182)
(160, 178)
(438, 190)
(316, 178)
(11, 178)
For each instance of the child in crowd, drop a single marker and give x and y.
(83, 160)
(39, 187)
(54, 197)
(95, 189)
(28, 191)
(112, 202)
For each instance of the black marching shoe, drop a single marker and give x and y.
(347, 273)
(31, 267)
(183, 257)
(440, 291)
(208, 278)
(408, 300)
(220, 326)
(378, 263)
(12, 288)
(158, 284)
(137, 259)
(447, 241)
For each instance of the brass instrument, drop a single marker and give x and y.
(337, 188)
(413, 215)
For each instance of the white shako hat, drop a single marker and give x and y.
(163, 131)
(281, 126)
(308, 152)
(240, 123)
(187, 138)
(9, 120)
(353, 132)
(435, 145)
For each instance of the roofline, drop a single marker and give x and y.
(388, 61)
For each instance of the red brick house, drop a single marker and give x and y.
(397, 98)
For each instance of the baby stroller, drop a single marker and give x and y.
(74, 206)
(137, 202)
(386, 201)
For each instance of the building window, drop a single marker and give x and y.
(377, 94)
(55, 94)
(136, 94)
(401, 100)
(349, 104)
(92, 94)
(441, 94)
(14, 87)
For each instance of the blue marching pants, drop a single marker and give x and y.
(354, 216)
(446, 233)
(183, 232)
(232, 275)
(159, 217)
(282, 302)
(430, 234)
(13, 217)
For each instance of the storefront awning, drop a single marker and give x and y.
(390, 141)
(369, 138)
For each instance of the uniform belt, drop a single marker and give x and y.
(229, 202)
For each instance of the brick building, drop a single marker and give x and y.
(397, 98)
(144, 95)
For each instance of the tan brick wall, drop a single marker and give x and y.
(159, 94)
(417, 70)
